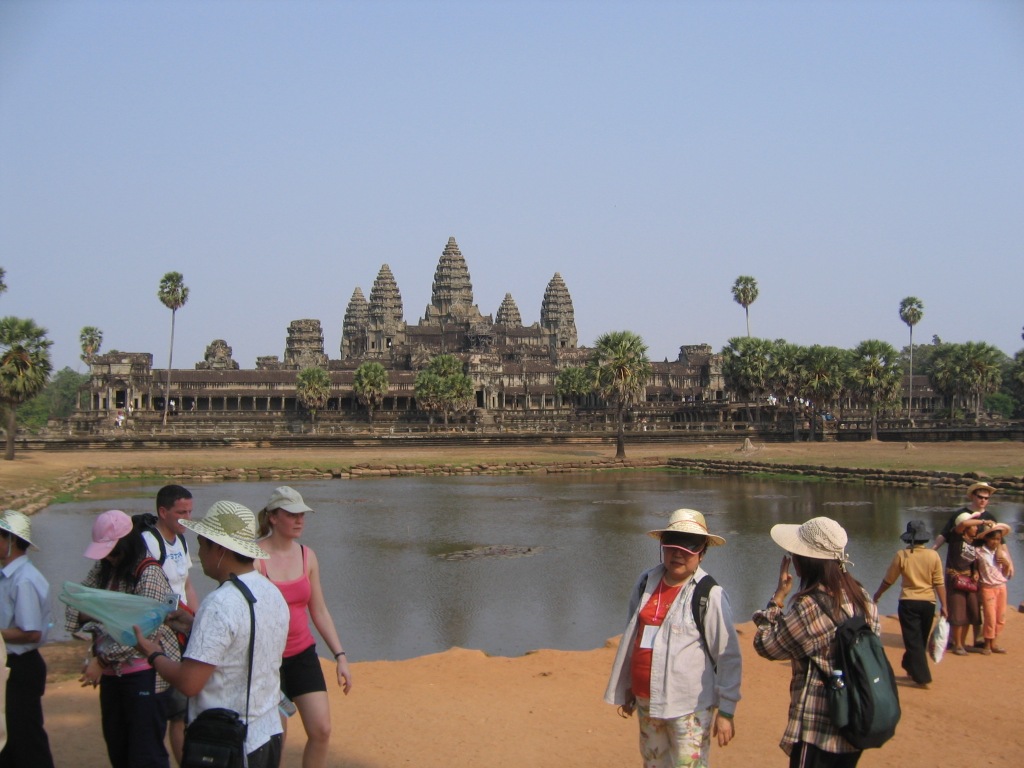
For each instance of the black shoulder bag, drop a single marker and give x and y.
(216, 738)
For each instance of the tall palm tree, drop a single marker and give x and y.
(91, 338)
(173, 293)
(313, 390)
(370, 385)
(744, 293)
(875, 377)
(25, 368)
(911, 312)
(3, 285)
(619, 368)
(746, 366)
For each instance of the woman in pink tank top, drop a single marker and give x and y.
(294, 569)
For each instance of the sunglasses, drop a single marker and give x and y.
(683, 549)
(979, 497)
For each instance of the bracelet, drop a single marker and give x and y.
(152, 657)
(726, 715)
(772, 603)
(339, 653)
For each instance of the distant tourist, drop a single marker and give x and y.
(294, 569)
(24, 622)
(961, 554)
(681, 678)
(992, 577)
(214, 672)
(922, 579)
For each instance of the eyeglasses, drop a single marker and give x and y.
(979, 497)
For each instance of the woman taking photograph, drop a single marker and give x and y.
(294, 569)
(805, 634)
(132, 717)
(682, 679)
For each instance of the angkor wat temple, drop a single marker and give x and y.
(513, 366)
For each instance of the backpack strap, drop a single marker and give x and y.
(145, 563)
(250, 598)
(699, 605)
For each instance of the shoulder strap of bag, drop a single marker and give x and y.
(699, 605)
(251, 600)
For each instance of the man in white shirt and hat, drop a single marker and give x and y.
(24, 622)
(214, 671)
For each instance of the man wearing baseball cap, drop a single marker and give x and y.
(214, 671)
(24, 621)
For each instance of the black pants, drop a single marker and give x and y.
(916, 617)
(134, 721)
(27, 742)
(806, 755)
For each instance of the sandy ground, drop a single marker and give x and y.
(463, 708)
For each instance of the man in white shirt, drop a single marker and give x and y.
(165, 541)
(215, 669)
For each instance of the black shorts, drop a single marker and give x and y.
(302, 674)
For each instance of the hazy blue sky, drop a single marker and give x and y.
(846, 154)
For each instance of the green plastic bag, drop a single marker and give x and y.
(117, 612)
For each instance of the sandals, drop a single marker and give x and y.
(998, 649)
(961, 651)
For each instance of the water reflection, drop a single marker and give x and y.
(379, 542)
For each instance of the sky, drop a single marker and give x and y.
(845, 154)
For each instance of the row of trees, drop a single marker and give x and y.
(870, 375)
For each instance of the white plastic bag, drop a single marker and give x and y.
(117, 611)
(937, 641)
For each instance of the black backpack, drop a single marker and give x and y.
(146, 521)
(866, 708)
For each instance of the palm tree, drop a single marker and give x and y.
(443, 387)
(24, 369)
(822, 371)
(91, 338)
(173, 293)
(965, 373)
(573, 383)
(746, 366)
(313, 390)
(370, 385)
(784, 377)
(744, 293)
(911, 312)
(875, 377)
(619, 369)
(3, 285)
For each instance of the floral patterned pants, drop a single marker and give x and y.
(682, 742)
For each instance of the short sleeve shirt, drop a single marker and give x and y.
(24, 602)
(220, 637)
(177, 561)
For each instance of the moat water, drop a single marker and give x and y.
(554, 555)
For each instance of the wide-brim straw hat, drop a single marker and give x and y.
(820, 538)
(231, 525)
(984, 533)
(980, 486)
(688, 521)
(17, 523)
(917, 532)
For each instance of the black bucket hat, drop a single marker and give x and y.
(917, 532)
